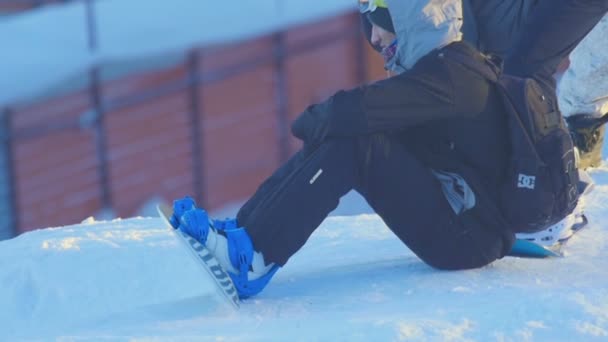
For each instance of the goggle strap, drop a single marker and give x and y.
(366, 6)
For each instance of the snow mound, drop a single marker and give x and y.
(64, 279)
(354, 280)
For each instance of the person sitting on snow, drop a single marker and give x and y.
(497, 27)
(425, 148)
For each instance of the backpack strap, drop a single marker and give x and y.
(487, 65)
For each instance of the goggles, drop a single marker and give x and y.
(368, 6)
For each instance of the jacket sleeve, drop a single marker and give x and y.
(420, 95)
(436, 88)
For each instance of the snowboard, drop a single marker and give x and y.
(529, 249)
(205, 259)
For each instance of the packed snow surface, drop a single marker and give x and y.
(353, 280)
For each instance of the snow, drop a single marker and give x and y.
(93, 272)
(353, 280)
(50, 45)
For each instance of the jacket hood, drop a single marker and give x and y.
(422, 26)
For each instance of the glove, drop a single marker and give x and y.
(340, 115)
(312, 125)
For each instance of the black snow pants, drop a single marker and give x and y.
(291, 204)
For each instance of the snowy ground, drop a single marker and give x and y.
(354, 280)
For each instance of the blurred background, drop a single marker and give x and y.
(108, 107)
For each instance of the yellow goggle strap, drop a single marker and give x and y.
(366, 6)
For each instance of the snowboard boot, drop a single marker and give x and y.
(587, 133)
(230, 244)
(558, 232)
(565, 228)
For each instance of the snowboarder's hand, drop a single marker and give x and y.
(312, 125)
(339, 116)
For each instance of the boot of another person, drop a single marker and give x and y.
(588, 133)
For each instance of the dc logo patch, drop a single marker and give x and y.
(526, 182)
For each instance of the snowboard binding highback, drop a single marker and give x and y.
(232, 246)
(588, 132)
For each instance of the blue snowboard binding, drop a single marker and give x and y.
(230, 239)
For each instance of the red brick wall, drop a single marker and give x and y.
(149, 145)
(239, 132)
(19, 6)
(56, 179)
(149, 152)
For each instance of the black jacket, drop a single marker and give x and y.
(439, 103)
(439, 89)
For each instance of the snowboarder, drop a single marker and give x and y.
(424, 148)
(495, 27)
